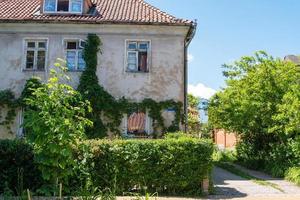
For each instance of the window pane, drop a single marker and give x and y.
(42, 45)
(132, 46)
(29, 59)
(81, 62)
(49, 6)
(143, 62)
(143, 46)
(132, 62)
(81, 44)
(76, 5)
(71, 57)
(30, 44)
(41, 60)
(71, 45)
(62, 5)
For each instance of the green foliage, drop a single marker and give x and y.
(56, 120)
(176, 135)
(193, 101)
(293, 175)
(9, 103)
(17, 167)
(169, 166)
(105, 106)
(225, 156)
(194, 125)
(30, 85)
(261, 103)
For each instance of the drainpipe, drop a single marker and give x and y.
(190, 35)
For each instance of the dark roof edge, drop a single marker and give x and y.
(188, 23)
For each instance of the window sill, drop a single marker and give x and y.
(137, 72)
(33, 70)
(78, 71)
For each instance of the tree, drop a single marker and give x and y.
(260, 102)
(55, 115)
(193, 115)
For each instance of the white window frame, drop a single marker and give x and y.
(56, 3)
(25, 48)
(149, 55)
(79, 42)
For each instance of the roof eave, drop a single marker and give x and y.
(188, 23)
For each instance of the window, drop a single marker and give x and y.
(72, 6)
(74, 55)
(137, 56)
(49, 5)
(35, 54)
(136, 123)
(62, 5)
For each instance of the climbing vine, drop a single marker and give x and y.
(11, 104)
(107, 112)
(105, 106)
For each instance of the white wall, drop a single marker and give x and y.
(164, 81)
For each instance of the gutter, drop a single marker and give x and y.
(188, 39)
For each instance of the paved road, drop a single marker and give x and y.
(230, 186)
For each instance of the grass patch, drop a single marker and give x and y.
(231, 168)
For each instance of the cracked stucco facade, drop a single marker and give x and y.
(164, 81)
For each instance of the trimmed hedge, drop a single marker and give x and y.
(169, 166)
(17, 166)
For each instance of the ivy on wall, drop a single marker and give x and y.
(107, 112)
(105, 106)
(9, 103)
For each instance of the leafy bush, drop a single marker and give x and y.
(17, 168)
(261, 103)
(293, 175)
(225, 156)
(55, 116)
(169, 166)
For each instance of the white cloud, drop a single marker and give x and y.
(200, 90)
(190, 58)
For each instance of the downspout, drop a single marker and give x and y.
(189, 37)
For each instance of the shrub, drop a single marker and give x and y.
(169, 166)
(55, 117)
(293, 175)
(225, 156)
(17, 168)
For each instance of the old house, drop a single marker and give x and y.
(144, 49)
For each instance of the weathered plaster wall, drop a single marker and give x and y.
(164, 81)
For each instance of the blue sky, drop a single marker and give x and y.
(229, 29)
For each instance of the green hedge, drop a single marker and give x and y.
(169, 166)
(17, 169)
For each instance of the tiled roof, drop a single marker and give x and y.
(293, 58)
(107, 11)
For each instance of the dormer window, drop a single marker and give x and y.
(63, 6)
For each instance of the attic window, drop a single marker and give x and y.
(63, 6)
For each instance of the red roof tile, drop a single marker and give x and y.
(108, 11)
